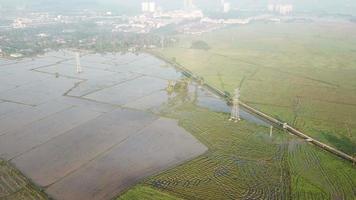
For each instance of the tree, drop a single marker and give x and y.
(200, 45)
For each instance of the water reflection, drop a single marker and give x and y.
(186, 90)
(138, 81)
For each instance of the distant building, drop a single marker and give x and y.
(21, 22)
(283, 9)
(42, 35)
(188, 4)
(181, 14)
(152, 6)
(144, 6)
(148, 6)
(16, 55)
(226, 7)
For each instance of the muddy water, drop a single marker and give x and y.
(67, 153)
(28, 137)
(25, 115)
(151, 101)
(129, 91)
(153, 149)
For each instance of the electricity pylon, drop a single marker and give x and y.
(235, 111)
(79, 67)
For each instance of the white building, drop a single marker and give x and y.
(188, 4)
(152, 6)
(42, 35)
(226, 7)
(16, 55)
(21, 22)
(148, 6)
(180, 14)
(144, 6)
(283, 9)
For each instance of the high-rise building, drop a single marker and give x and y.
(188, 4)
(144, 6)
(148, 6)
(152, 6)
(226, 7)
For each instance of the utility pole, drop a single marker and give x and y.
(235, 111)
(271, 131)
(79, 67)
(57, 73)
(162, 42)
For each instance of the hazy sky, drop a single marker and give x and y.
(331, 6)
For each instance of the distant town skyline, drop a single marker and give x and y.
(317, 6)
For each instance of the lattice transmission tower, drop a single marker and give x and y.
(79, 67)
(235, 111)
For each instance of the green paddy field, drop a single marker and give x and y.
(245, 162)
(301, 73)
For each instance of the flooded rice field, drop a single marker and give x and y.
(128, 119)
(93, 134)
(158, 146)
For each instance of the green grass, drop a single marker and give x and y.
(300, 73)
(244, 162)
(303, 74)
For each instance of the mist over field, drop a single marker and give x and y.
(177, 99)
